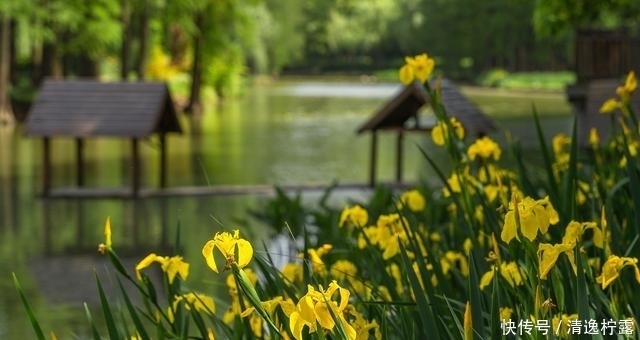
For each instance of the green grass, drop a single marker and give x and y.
(538, 80)
(549, 81)
(499, 78)
(501, 103)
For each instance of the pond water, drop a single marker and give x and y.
(278, 134)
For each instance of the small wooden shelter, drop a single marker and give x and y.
(400, 115)
(602, 58)
(82, 109)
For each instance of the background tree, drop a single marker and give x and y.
(553, 17)
(6, 115)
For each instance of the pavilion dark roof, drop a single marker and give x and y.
(406, 104)
(84, 108)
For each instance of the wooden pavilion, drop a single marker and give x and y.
(83, 109)
(400, 115)
(602, 58)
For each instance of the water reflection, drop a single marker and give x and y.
(289, 134)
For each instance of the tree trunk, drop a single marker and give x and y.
(6, 117)
(50, 64)
(125, 48)
(144, 40)
(194, 105)
(83, 65)
(13, 58)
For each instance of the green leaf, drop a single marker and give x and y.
(548, 163)
(570, 181)
(582, 292)
(106, 310)
(142, 332)
(475, 298)
(94, 330)
(243, 281)
(30, 314)
(426, 316)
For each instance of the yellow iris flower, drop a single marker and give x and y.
(509, 271)
(440, 134)
(610, 105)
(315, 258)
(561, 323)
(390, 233)
(172, 266)
(343, 270)
(624, 93)
(594, 138)
(355, 216)
(292, 272)
(612, 267)
(233, 248)
(505, 313)
(317, 307)
(548, 255)
(630, 84)
(533, 215)
(575, 230)
(484, 148)
(200, 302)
(412, 199)
(418, 68)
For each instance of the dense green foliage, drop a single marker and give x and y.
(216, 42)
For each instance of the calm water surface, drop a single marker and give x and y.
(284, 133)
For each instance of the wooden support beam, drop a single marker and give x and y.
(135, 168)
(163, 160)
(79, 162)
(46, 167)
(399, 156)
(373, 159)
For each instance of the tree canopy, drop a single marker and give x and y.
(217, 41)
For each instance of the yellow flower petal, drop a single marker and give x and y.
(207, 252)
(486, 279)
(107, 232)
(324, 316)
(245, 253)
(548, 255)
(146, 262)
(468, 322)
(296, 324)
(406, 74)
(610, 105)
(438, 134)
(631, 83)
(307, 309)
(509, 229)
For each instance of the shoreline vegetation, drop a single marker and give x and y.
(519, 250)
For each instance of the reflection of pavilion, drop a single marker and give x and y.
(9, 195)
(71, 279)
(401, 114)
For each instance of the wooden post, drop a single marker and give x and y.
(163, 160)
(46, 167)
(135, 168)
(79, 162)
(399, 156)
(46, 224)
(374, 158)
